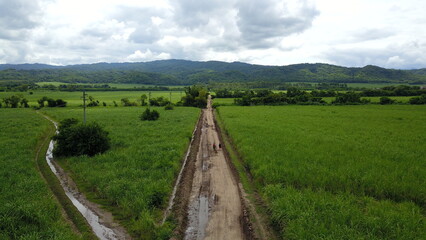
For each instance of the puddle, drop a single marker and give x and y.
(101, 231)
(198, 218)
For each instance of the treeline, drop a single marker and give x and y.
(23, 87)
(401, 90)
(267, 97)
(296, 96)
(103, 88)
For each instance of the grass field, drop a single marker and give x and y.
(336, 172)
(28, 210)
(135, 178)
(75, 98)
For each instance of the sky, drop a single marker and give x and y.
(352, 33)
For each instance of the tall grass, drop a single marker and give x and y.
(134, 178)
(28, 210)
(336, 172)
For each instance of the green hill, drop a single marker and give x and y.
(183, 72)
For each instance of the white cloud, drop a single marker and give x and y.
(387, 33)
(138, 56)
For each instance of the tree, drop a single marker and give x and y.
(418, 100)
(24, 103)
(348, 98)
(12, 101)
(386, 100)
(76, 139)
(149, 115)
(196, 96)
(169, 107)
(127, 103)
(144, 97)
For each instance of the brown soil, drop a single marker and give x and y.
(215, 210)
(181, 200)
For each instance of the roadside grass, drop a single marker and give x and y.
(28, 209)
(75, 99)
(336, 172)
(135, 178)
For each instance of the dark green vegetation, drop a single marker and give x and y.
(28, 209)
(13, 101)
(149, 115)
(74, 99)
(195, 96)
(336, 172)
(181, 72)
(135, 177)
(297, 96)
(51, 102)
(76, 139)
(418, 100)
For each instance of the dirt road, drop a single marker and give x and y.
(214, 209)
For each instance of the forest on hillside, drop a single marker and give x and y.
(182, 72)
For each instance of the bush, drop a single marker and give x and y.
(418, 100)
(168, 107)
(126, 102)
(75, 139)
(149, 115)
(386, 100)
(348, 98)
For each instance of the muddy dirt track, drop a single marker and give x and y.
(214, 209)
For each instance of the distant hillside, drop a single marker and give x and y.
(168, 72)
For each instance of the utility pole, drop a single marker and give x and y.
(84, 106)
(149, 98)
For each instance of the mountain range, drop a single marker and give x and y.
(168, 72)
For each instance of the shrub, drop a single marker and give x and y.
(349, 98)
(418, 100)
(75, 139)
(386, 100)
(126, 102)
(149, 115)
(168, 107)
(61, 103)
(12, 101)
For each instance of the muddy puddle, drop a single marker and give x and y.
(197, 229)
(98, 225)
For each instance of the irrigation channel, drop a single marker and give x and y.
(99, 220)
(214, 209)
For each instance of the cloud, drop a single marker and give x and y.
(272, 32)
(18, 17)
(408, 55)
(261, 22)
(138, 56)
(194, 14)
(371, 34)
